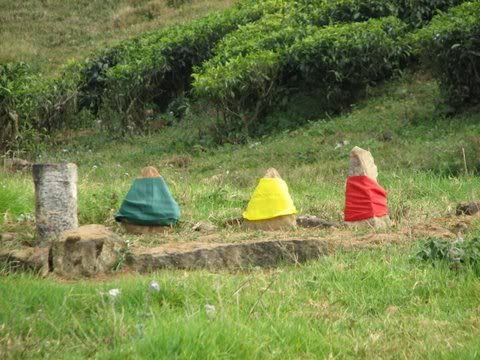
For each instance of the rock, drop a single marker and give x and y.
(470, 208)
(146, 229)
(204, 226)
(362, 164)
(377, 223)
(272, 173)
(7, 237)
(232, 256)
(55, 199)
(27, 258)
(149, 172)
(287, 222)
(309, 221)
(16, 164)
(86, 251)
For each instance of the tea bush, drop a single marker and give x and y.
(32, 105)
(245, 60)
(280, 29)
(157, 67)
(333, 58)
(450, 46)
(417, 13)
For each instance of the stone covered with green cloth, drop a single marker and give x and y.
(149, 203)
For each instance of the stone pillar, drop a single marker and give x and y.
(55, 199)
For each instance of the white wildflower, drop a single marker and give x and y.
(210, 310)
(113, 293)
(155, 286)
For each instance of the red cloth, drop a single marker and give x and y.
(364, 199)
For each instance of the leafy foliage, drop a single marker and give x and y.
(156, 67)
(456, 254)
(417, 13)
(450, 46)
(333, 58)
(244, 61)
(31, 105)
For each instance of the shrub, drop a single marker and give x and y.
(31, 105)
(456, 254)
(353, 54)
(417, 13)
(450, 46)
(157, 67)
(333, 58)
(296, 20)
(290, 22)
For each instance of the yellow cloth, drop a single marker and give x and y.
(270, 200)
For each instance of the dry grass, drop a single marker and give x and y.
(50, 32)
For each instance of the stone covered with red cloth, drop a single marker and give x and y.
(364, 199)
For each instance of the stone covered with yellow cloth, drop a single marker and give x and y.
(270, 207)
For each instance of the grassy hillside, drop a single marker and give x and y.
(238, 66)
(419, 154)
(48, 33)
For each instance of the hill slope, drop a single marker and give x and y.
(47, 33)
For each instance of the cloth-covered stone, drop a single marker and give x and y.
(365, 199)
(270, 207)
(149, 202)
(269, 200)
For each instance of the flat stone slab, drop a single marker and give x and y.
(309, 221)
(231, 256)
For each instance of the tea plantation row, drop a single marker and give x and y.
(245, 60)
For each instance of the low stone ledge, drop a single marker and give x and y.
(86, 251)
(26, 259)
(232, 256)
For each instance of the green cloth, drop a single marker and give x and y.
(149, 202)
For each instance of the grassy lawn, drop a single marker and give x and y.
(371, 304)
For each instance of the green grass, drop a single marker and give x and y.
(372, 304)
(48, 33)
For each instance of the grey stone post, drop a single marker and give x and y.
(55, 199)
